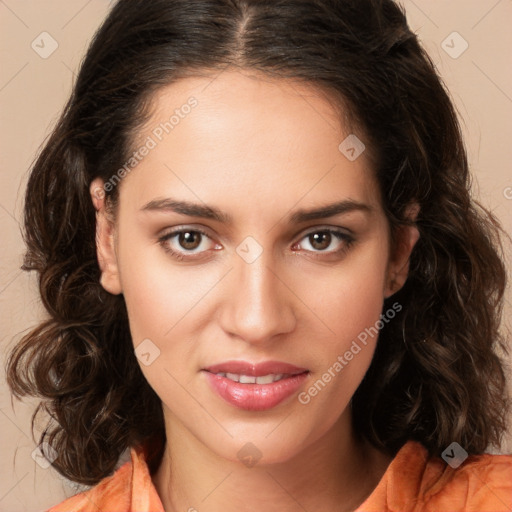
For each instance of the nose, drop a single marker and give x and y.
(259, 306)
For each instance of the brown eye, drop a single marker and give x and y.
(326, 243)
(321, 240)
(189, 239)
(188, 244)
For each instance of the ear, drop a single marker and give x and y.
(398, 265)
(105, 240)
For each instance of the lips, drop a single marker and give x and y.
(255, 387)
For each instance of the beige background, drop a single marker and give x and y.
(33, 90)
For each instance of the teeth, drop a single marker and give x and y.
(265, 379)
(249, 379)
(246, 379)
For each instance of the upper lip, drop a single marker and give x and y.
(255, 369)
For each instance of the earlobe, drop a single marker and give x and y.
(105, 240)
(398, 267)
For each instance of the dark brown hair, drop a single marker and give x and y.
(435, 377)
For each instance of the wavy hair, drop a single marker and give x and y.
(436, 375)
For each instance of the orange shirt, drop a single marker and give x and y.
(411, 483)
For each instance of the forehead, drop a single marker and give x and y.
(233, 133)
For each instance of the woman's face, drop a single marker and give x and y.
(260, 284)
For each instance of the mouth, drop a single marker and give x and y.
(255, 387)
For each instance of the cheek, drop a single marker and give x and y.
(157, 292)
(352, 298)
(167, 304)
(164, 308)
(350, 305)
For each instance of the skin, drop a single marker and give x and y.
(258, 149)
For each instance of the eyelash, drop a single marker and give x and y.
(340, 235)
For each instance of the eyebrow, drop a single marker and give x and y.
(213, 213)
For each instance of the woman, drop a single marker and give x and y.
(264, 272)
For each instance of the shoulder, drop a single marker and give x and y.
(129, 488)
(481, 482)
(456, 482)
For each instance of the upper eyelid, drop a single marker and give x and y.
(337, 229)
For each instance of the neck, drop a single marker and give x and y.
(337, 472)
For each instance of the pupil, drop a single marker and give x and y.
(186, 240)
(323, 237)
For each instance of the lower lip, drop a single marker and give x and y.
(255, 397)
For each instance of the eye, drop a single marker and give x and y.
(185, 243)
(321, 239)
